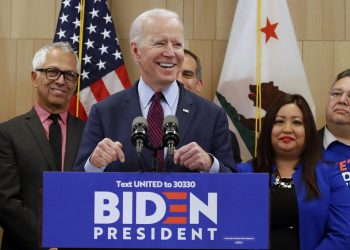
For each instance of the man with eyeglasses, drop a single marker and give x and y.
(335, 136)
(46, 138)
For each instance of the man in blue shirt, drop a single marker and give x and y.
(335, 136)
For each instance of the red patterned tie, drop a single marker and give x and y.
(155, 119)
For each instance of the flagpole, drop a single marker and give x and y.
(258, 77)
(80, 53)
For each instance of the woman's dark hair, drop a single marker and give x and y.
(310, 155)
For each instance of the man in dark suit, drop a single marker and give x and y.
(190, 76)
(335, 136)
(156, 41)
(25, 151)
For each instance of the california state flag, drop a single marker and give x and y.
(262, 61)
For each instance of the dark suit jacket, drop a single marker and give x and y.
(24, 155)
(235, 147)
(199, 120)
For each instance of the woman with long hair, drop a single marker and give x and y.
(310, 202)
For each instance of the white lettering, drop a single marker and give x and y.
(97, 232)
(210, 210)
(181, 233)
(160, 208)
(165, 233)
(106, 202)
(127, 207)
(126, 233)
(141, 233)
(112, 233)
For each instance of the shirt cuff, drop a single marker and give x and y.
(88, 167)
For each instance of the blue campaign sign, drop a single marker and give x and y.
(155, 210)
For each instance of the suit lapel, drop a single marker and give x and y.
(185, 113)
(72, 143)
(131, 105)
(33, 123)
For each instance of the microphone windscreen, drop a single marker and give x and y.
(170, 119)
(139, 120)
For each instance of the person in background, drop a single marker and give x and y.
(156, 42)
(310, 203)
(25, 150)
(335, 135)
(190, 76)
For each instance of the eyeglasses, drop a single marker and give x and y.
(338, 94)
(54, 74)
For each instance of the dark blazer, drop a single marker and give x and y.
(24, 155)
(199, 120)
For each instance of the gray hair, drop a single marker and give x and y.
(136, 29)
(40, 55)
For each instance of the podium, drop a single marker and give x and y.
(155, 210)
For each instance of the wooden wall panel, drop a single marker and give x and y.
(347, 20)
(318, 57)
(313, 20)
(176, 6)
(24, 88)
(188, 18)
(225, 10)
(39, 22)
(5, 19)
(204, 19)
(7, 78)
(341, 56)
(124, 12)
(333, 20)
(298, 12)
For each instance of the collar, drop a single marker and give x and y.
(329, 138)
(44, 114)
(170, 94)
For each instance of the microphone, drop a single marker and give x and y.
(139, 133)
(170, 136)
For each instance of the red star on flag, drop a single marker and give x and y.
(269, 30)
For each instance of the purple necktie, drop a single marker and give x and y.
(155, 119)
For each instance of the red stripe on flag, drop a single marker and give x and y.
(72, 108)
(123, 76)
(176, 195)
(175, 220)
(99, 90)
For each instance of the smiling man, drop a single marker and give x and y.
(335, 136)
(156, 43)
(27, 148)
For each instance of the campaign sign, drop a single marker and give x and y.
(148, 210)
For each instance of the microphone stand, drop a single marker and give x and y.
(154, 160)
(154, 156)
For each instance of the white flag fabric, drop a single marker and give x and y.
(268, 54)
